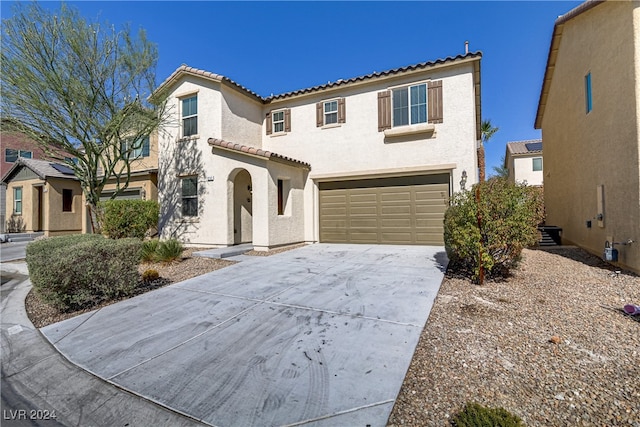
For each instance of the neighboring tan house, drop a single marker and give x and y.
(15, 145)
(589, 113)
(523, 160)
(44, 196)
(370, 159)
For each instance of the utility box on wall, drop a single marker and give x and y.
(610, 253)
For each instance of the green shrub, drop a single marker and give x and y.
(128, 218)
(509, 216)
(150, 275)
(475, 415)
(169, 250)
(148, 252)
(77, 271)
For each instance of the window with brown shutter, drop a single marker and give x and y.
(342, 112)
(287, 120)
(269, 124)
(319, 114)
(384, 110)
(435, 101)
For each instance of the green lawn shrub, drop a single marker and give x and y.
(169, 250)
(509, 216)
(476, 415)
(165, 251)
(77, 271)
(128, 218)
(148, 252)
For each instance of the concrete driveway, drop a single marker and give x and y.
(13, 251)
(317, 336)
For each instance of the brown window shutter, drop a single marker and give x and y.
(435, 101)
(384, 110)
(269, 124)
(287, 120)
(342, 112)
(319, 114)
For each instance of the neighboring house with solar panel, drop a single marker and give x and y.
(43, 196)
(523, 160)
(370, 159)
(589, 113)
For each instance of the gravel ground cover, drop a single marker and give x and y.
(551, 344)
(189, 266)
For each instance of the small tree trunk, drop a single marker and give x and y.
(481, 163)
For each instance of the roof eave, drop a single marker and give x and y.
(473, 57)
(554, 46)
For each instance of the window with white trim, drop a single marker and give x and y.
(190, 116)
(537, 164)
(278, 121)
(17, 200)
(11, 155)
(190, 196)
(331, 112)
(137, 149)
(409, 105)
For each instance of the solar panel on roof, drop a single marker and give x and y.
(533, 146)
(62, 169)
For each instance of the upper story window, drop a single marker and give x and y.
(418, 104)
(330, 112)
(190, 116)
(537, 164)
(139, 148)
(410, 105)
(11, 155)
(278, 122)
(587, 92)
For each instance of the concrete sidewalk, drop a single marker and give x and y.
(41, 388)
(317, 336)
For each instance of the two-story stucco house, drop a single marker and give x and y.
(589, 113)
(371, 159)
(523, 160)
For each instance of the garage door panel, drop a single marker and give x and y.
(403, 210)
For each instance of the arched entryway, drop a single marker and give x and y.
(242, 207)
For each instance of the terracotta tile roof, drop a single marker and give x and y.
(184, 69)
(529, 146)
(256, 152)
(43, 168)
(553, 54)
(374, 75)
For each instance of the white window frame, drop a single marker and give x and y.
(279, 122)
(190, 116)
(533, 164)
(19, 153)
(409, 105)
(135, 153)
(17, 200)
(331, 113)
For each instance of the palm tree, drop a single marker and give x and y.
(501, 171)
(486, 132)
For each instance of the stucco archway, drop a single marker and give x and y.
(241, 198)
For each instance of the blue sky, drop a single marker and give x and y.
(276, 47)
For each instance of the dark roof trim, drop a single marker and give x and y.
(186, 70)
(556, 37)
(245, 149)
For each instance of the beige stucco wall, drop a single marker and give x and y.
(583, 151)
(355, 147)
(53, 220)
(521, 170)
